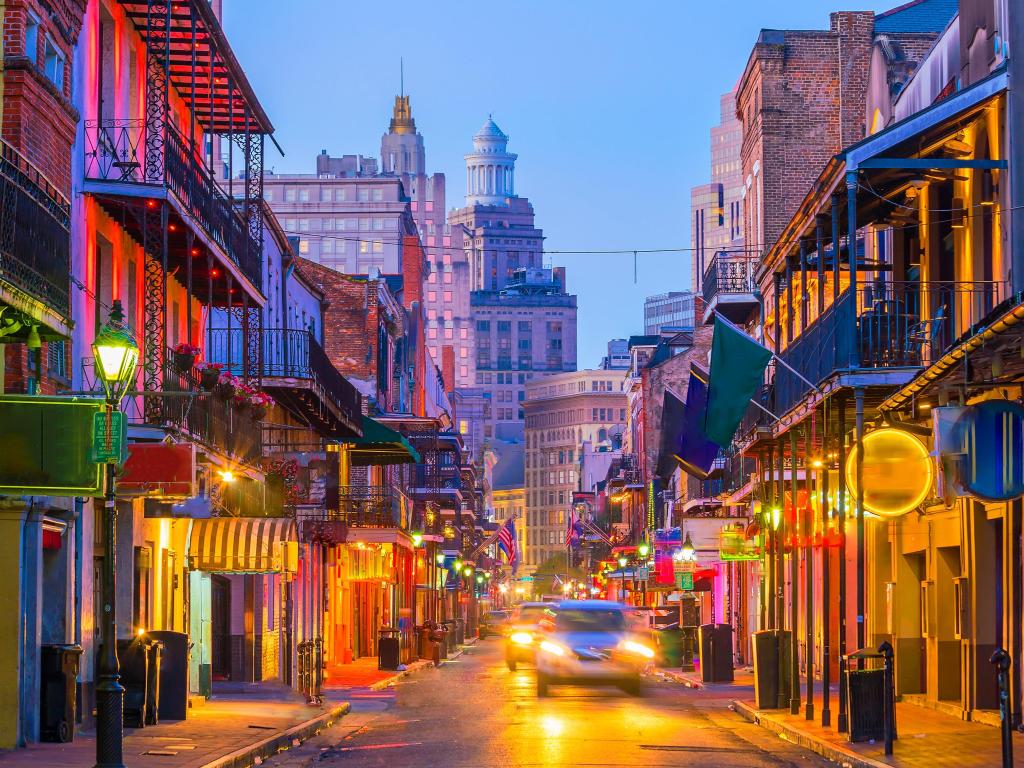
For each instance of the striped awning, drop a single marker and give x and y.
(240, 544)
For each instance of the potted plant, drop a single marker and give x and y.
(185, 356)
(209, 374)
(242, 397)
(226, 385)
(259, 404)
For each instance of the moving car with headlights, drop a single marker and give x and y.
(590, 642)
(493, 623)
(521, 632)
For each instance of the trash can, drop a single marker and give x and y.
(460, 631)
(772, 655)
(670, 646)
(57, 692)
(172, 678)
(450, 635)
(865, 697)
(441, 638)
(134, 657)
(388, 648)
(716, 653)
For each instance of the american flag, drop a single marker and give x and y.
(508, 543)
(570, 529)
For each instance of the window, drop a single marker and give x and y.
(303, 246)
(447, 296)
(378, 246)
(339, 195)
(325, 194)
(268, 195)
(303, 195)
(378, 195)
(378, 224)
(31, 38)
(364, 195)
(289, 194)
(56, 365)
(53, 65)
(327, 245)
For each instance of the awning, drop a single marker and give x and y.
(380, 445)
(241, 544)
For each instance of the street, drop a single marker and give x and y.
(473, 712)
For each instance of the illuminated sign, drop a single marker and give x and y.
(898, 472)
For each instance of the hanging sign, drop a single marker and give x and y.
(991, 436)
(898, 472)
(109, 438)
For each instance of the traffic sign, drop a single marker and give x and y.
(108, 448)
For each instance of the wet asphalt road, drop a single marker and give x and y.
(473, 713)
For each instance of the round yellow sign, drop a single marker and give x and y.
(898, 472)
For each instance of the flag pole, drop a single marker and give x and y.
(779, 360)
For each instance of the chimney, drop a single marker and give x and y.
(448, 370)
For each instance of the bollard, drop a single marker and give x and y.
(888, 696)
(1001, 660)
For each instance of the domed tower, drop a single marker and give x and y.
(490, 168)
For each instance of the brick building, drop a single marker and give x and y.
(38, 129)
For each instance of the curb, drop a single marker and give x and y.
(802, 738)
(388, 681)
(261, 750)
(680, 677)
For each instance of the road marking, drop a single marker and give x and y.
(379, 746)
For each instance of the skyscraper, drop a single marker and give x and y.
(716, 213)
(668, 310)
(524, 321)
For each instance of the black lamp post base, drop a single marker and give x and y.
(109, 723)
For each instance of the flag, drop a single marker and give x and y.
(694, 450)
(508, 543)
(570, 528)
(737, 370)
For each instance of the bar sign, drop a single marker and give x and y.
(108, 448)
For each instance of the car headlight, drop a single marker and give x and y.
(521, 638)
(553, 648)
(631, 646)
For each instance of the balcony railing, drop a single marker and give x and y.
(366, 506)
(182, 405)
(728, 274)
(886, 325)
(35, 244)
(288, 354)
(115, 151)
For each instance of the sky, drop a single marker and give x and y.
(608, 105)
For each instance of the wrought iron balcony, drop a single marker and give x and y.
(886, 325)
(116, 153)
(296, 370)
(348, 507)
(183, 406)
(35, 242)
(729, 287)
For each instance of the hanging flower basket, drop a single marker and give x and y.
(209, 375)
(184, 356)
(258, 412)
(226, 386)
(259, 405)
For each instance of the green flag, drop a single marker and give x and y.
(737, 371)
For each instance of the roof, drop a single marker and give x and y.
(490, 130)
(917, 16)
(509, 471)
(644, 341)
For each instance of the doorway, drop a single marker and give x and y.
(220, 619)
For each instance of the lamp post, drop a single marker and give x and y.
(116, 356)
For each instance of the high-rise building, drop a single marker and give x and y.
(668, 310)
(524, 331)
(500, 227)
(716, 211)
(562, 413)
(618, 356)
(524, 321)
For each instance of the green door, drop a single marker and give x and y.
(200, 660)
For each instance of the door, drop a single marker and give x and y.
(220, 629)
(200, 658)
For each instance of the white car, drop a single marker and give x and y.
(590, 642)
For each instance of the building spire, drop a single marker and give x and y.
(401, 76)
(401, 117)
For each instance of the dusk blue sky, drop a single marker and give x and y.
(607, 104)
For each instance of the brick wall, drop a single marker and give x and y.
(38, 118)
(350, 320)
(801, 99)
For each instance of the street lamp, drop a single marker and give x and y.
(688, 551)
(643, 550)
(115, 356)
(622, 561)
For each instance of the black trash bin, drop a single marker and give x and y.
(460, 631)
(766, 669)
(172, 700)
(134, 658)
(865, 696)
(57, 692)
(449, 634)
(388, 649)
(716, 653)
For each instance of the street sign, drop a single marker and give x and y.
(108, 449)
(686, 580)
(642, 574)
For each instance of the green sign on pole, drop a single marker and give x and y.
(108, 447)
(686, 580)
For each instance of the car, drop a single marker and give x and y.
(493, 623)
(591, 642)
(521, 630)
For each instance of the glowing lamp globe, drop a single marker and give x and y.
(898, 472)
(115, 354)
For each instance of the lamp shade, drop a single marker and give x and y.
(689, 553)
(115, 354)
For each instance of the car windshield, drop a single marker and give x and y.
(496, 616)
(590, 621)
(531, 614)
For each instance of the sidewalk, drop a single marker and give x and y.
(231, 730)
(927, 737)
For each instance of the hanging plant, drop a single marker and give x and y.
(227, 384)
(209, 374)
(260, 404)
(184, 356)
